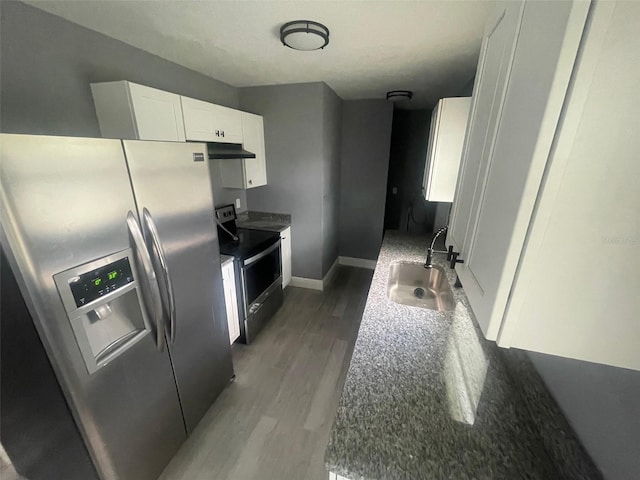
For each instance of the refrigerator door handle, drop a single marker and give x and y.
(151, 233)
(142, 255)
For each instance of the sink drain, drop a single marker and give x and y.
(419, 292)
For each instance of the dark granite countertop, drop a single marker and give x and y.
(426, 396)
(276, 222)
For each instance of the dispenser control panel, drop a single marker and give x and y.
(100, 281)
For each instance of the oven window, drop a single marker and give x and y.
(260, 275)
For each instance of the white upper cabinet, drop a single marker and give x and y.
(247, 172)
(509, 140)
(546, 209)
(489, 88)
(255, 168)
(206, 122)
(131, 111)
(446, 137)
(576, 293)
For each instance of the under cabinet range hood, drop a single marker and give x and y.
(228, 151)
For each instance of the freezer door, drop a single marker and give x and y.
(175, 202)
(64, 204)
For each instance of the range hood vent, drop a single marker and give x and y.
(227, 151)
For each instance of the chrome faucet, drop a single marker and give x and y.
(431, 251)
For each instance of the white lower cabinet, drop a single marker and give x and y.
(285, 245)
(230, 300)
(545, 215)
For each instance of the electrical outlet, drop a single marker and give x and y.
(238, 206)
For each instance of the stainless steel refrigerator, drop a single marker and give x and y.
(114, 248)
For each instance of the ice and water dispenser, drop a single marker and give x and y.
(103, 303)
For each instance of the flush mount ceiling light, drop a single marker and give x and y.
(304, 35)
(399, 95)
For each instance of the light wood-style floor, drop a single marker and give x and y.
(273, 421)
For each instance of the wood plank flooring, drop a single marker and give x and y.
(273, 421)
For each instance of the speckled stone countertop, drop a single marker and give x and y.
(276, 222)
(426, 396)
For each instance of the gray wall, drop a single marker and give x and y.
(407, 210)
(602, 403)
(331, 131)
(366, 139)
(47, 64)
(293, 128)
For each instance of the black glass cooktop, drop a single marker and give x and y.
(249, 243)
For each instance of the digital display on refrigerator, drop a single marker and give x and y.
(101, 281)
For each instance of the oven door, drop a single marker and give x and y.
(259, 273)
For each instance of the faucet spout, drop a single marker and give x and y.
(430, 251)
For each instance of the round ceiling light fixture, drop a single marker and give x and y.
(399, 95)
(304, 35)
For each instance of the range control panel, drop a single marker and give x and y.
(226, 214)
(101, 281)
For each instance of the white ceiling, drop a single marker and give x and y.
(429, 47)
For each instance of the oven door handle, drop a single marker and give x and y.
(260, 255)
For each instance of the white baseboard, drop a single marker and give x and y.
(302, 282)
(358, 262)
(314, 284)
(328, 278)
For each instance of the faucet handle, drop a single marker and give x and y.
(449, 253)
(454, 258)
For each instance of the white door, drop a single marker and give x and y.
(255, 169)
(512, 151)
(158, 114)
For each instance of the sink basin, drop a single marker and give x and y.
(412, 284)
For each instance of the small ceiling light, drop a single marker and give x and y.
(304, 35)
(399, 95)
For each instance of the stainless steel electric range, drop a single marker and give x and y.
(257, 258)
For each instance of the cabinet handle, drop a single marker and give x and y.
(217, 133)
(250, 182)
(223, 133)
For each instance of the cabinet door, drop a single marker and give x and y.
(206, 122)
(285, 243)
(157, 114)
(135, 112)
(431, 147)
(448, 125)
(509, 143)
(199, 120)
(255, 169)
(491, 80)
(227, 124)
(230, 299)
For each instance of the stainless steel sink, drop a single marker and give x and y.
(412, 284)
